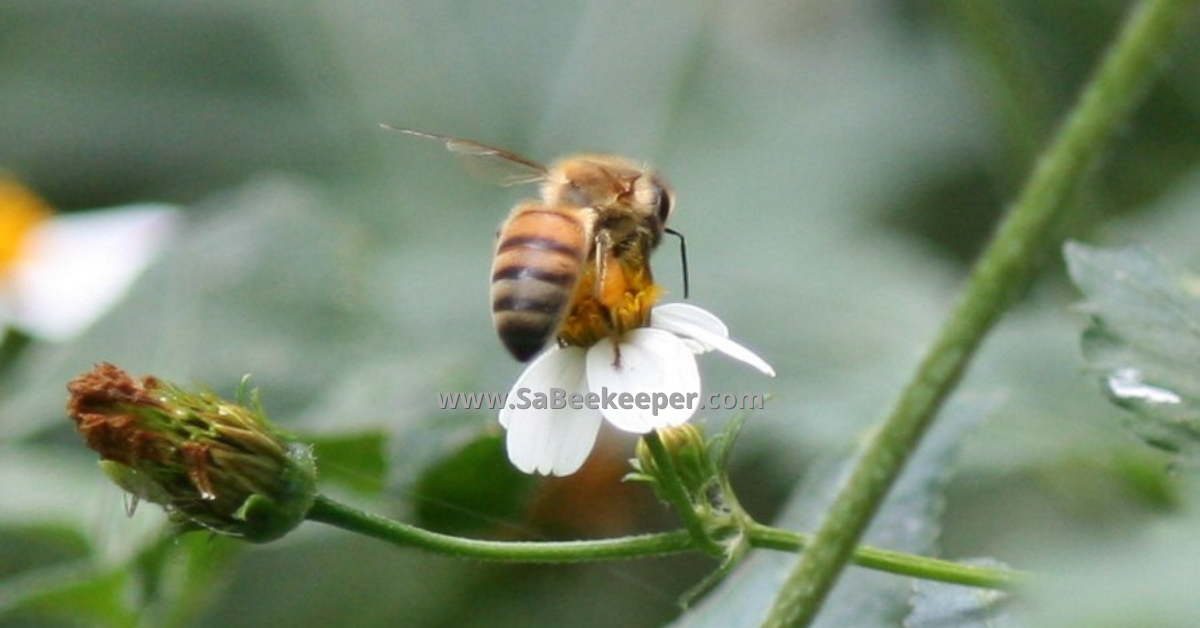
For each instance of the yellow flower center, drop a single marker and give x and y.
(621, 302)
(20, 211)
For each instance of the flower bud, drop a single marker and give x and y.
(208, 462)
(688, 452)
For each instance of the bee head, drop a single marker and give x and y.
(652, 196)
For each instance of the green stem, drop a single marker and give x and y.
(329, 511)
(1002, 270)
(673, 489)
(352, 519)
(766, 537)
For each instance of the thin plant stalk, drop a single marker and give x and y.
(1004, 268)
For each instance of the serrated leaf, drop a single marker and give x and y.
(908, 522)
(943, 605)
(1144, 340)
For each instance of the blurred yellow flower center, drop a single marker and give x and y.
(20, 211)
(620, 303)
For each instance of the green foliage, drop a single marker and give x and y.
(910, 521)
(1144, 581)
(836, 164)
(357, 461)
(1144, 340)
(165, 585)
(941, 605)
(474, 491)
(74, 596)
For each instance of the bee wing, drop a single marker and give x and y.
(488, 163)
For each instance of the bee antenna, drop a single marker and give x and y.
(682, 258)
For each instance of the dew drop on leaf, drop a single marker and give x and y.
(1127, 386)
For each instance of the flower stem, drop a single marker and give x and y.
(334, 513)
(674, 490)
(1002, 270)
(329, 511)
(922, 567)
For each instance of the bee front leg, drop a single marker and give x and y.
(602, 291)
(600, 251)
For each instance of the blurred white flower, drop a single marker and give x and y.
(659, 359)
(61, 272)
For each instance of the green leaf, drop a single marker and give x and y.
(1146, 580)
(943, 605)
(70, 594)
(181, 575)
(908, 522)
(394, 395)
(472, 490)
(165, 584)
(357, 461)
(1144, 340)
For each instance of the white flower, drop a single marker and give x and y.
(659, 359)
(66, 270)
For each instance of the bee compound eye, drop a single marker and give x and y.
(664, 203)
(663, 198)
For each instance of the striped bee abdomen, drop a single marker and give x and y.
(539, 258)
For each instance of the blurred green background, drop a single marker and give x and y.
(837, 165)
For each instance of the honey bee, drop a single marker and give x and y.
(573, 264)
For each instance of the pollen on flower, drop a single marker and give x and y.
(621, 303)
(20, 211)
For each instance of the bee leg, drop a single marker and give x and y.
(603, 244)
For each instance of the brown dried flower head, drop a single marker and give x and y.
(211, 463)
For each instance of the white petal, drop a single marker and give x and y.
(552, 442)
(718, 342)
(80, 265)
(547, 440)
(651, 362)
(684, 315)
(681, 318)
(557, 367)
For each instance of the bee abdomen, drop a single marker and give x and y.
(538, 262)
